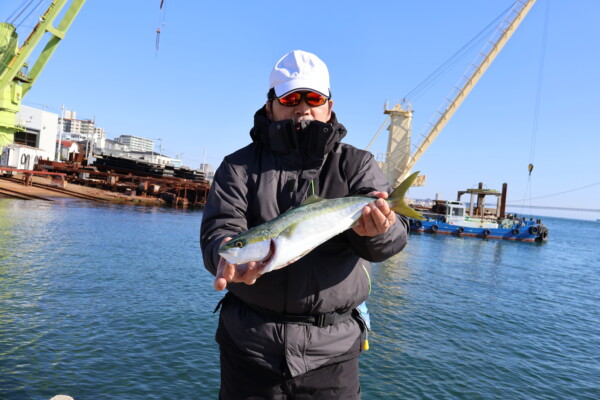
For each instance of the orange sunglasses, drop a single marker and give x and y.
(313, 99)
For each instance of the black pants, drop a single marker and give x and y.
(241, 378)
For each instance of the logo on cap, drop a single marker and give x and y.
(299, 70)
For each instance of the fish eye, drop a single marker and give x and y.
(239, 244)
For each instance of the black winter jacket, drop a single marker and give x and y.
(264, 179)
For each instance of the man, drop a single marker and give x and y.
(292, 333)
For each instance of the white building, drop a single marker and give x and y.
(68, 150)
(136, 143)
(36, 140)
(112, 146)
(41, 129)
(81, 129)
(206, 168)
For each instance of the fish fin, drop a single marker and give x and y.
(311, 200)
(396, 198)
(289, 231)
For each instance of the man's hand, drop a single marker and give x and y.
(226, 272)
(377, 217)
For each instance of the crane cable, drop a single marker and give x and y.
(22, 9)
(537, 106)
(440, 71)
(452, 60)
(12, 20)
(19, 10)
(511, 202)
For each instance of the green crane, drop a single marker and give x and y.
(15, 77)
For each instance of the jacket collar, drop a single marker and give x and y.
(310, 144)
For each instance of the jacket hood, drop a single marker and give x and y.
(312, 142)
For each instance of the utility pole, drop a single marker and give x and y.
(60, 132)
(159, 151)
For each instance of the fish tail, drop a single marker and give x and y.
(396, 198)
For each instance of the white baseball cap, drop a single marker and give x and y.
(299, 70)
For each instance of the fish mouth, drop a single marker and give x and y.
(264, 265)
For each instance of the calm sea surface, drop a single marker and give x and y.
(113, 302)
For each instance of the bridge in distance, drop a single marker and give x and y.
(592, 210)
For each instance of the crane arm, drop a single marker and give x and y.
(57, 35)
(15, 81)
(12, 69)
(471, 77)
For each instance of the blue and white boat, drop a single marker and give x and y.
(453, 218)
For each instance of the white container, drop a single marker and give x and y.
(19, 156)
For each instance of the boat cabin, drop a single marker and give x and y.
(455, 212)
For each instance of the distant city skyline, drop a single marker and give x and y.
(44, 130)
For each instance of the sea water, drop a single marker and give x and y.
(102, 301)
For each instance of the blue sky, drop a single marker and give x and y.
(200, 90)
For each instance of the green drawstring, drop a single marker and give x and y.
(312, 185)
(368, 277)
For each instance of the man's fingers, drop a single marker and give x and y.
(379, 218)
(380, 195)
(387, 213)
(223, 272)
(220, 284)
(367, 221)
(376, 218)
(251, 274)
(220, 280)
(226, 272)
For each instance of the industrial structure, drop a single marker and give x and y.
(28, 137)
(399, 160)
(16, 78)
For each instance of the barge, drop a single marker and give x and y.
(454, 218)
